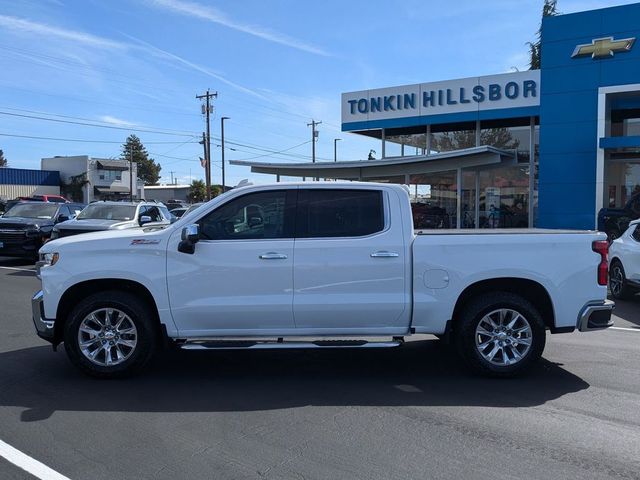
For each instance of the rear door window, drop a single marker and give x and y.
(326, 213)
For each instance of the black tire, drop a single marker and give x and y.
(472, 315)
(621, 291)
(140, 315)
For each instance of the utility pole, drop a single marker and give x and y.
(314, 136)
(224, 188)
(131, 172)
(207, 111)
(172, 172)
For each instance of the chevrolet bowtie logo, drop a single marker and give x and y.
(603, 47)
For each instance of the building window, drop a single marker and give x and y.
(434, 200)
(504, 197)
(405, 142)
(510, 134)
(110, 175)
(445, 138)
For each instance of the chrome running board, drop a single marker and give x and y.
(282, 344)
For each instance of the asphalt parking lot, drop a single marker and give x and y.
(405, 413)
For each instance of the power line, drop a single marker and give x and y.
(274, 153)
(81, 140)
(98, 122)
(113, 127)
(97, 102)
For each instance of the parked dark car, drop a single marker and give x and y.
(173, 204)
(27, 225)
(428, 216)
(178, 212)
(614, 221)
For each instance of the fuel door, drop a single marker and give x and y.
(436, 278)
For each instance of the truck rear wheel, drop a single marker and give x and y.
(499, 334)
(110, 334)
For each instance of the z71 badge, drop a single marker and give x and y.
(142, 241)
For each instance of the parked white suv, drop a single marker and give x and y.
(270, 266)
(99, 216)
(624, 267)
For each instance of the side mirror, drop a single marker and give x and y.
(62, 218)
(255, 221)
(144, 219)
(190, 236)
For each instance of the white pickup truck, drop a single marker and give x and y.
(316, 265)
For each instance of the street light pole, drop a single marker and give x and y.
(222, 119)
(335, 149)
(131, 173)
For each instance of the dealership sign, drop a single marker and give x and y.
(509, 90)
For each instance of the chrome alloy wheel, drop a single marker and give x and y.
(503, 337)
(616, 280)
(107, 337)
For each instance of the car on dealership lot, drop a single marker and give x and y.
(173, 204)
(26, 226)
(109, 215)
(624, 263)
(178, 212)
(270, 266)
(48, 198)
(614, 221)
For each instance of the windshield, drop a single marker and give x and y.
(100, 211)
(32, 210)
(192, 208)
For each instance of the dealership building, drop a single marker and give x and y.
(545, 148)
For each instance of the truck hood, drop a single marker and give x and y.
(23, 223)
(93, 224)
(109, 240)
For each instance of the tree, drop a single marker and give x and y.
(148, 169)
(548, 10)
(3, 161)
(74, 189)
(197, 191)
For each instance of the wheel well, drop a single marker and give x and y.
(81, 290)
(529, 289)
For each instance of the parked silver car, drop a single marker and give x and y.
(99, 216)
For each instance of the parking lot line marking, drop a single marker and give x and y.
(20, 269)
(626, 329)
(28, 464)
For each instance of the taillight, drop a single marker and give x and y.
(602, 247)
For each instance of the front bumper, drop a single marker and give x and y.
(44, 327)
(596, 316)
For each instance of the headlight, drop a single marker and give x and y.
(49, 259)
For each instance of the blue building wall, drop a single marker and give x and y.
(21, 176)
(569, 109)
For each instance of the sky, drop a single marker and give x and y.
(78, 76)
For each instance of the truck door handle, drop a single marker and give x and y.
(384, 254)
(273, 256)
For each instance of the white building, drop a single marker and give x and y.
(107, 179)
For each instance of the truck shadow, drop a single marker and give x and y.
(628, 310)
(421, 373)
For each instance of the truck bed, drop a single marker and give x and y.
(500, 231)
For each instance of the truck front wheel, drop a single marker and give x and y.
(499, 334)
(110, 334)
